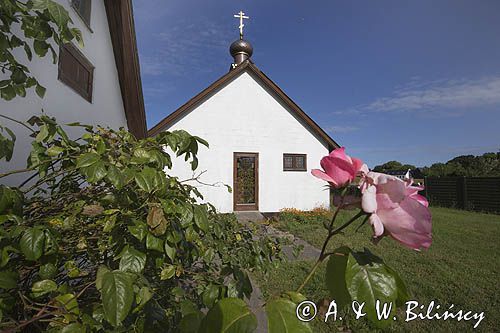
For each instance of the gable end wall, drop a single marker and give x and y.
(244, 116)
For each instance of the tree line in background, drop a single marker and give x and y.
(486, 165)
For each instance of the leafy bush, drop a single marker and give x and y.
(101, 238)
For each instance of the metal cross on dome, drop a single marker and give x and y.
(241, 16)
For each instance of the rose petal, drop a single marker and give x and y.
(357, 164)
(410, 223)
(340, 170)
(378, 227)
(421, 199)
(321, 175)
(369, 199)
(339, 153)
(392, 186)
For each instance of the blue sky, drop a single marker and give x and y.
(413, 81)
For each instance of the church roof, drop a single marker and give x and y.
(246, 65)
(122, 30)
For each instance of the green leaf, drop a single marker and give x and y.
(109, 223)
(132, 260)
(403, 294)
(229, 315)
(8, 93)
(295, 297)
(190, 323)
(18, 76)
(87, 159)
(94, 172)
(40, 90)
(40, 5)
(43, 287)
(42, 134)
(139, 230)
(335, 276)
(5, 257)
(11, 201)
(54, 151)
(69, 302)
(58, 13)
(154, 243)
(6, 144)
(8, 279)
(20, 90)
(27, 50)
(100, 273)
(282, 317)
(186, 212)
(368, 279)
(200, 217)
(78, 36)
(31, 82)
(142, 297)
(32, 243)
(47, 271)
(117, 296)
(210, 295)
(167, 273)
(149, 179)
(73, 328)
(116, 177)
(41, 47)
(170, 251)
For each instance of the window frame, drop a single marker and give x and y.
(73, 51)
(294, 157)
(82, 17)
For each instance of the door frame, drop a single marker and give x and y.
(246, 207)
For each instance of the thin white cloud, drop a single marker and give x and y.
(185, 48)
(157, 89)
(341, 129)
(446, 96)
(427, 149)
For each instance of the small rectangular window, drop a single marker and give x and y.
(294, 162)
(82, 7)
(76, 71)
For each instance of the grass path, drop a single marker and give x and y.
(461, 267)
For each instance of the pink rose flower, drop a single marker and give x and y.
(396, 210)
(339, 168)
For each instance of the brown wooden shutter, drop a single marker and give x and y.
(76, 71)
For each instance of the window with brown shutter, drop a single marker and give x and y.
(294, 162)
(76, 71)
(82, 7)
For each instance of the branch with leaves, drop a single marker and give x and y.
(44, 25)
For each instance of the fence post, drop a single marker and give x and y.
(464, 193)
(426, 193)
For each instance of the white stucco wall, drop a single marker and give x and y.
(60, 100)
(244, 117)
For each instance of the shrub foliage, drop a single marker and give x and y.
(99, 237)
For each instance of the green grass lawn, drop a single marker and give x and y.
(461, 267)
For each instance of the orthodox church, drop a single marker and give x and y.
(262, 144)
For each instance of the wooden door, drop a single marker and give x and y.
(246, 181)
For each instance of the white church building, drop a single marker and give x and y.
(262, 144)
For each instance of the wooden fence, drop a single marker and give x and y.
(471, 193)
